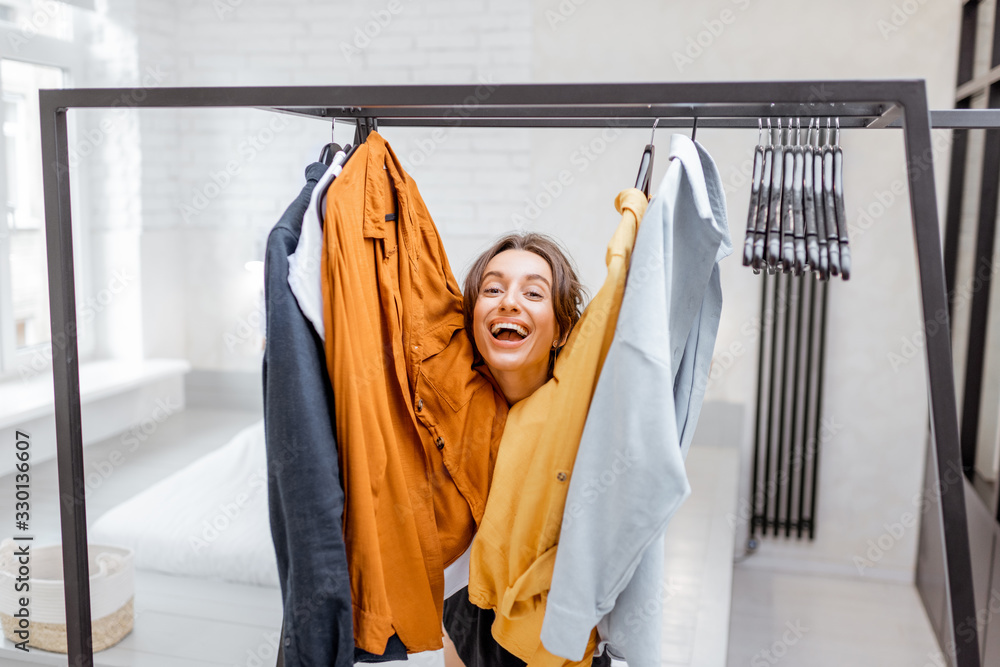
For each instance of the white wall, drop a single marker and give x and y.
(479, 183)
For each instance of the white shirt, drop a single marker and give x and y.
(304, 264)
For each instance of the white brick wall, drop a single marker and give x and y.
(300, 43)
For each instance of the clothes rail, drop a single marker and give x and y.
(858, 104)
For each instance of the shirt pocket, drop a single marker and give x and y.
(446, 368)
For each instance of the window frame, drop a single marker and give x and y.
(15, 44)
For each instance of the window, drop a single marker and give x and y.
(38, 47)
(25, 286)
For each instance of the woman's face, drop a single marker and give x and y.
(514, 318)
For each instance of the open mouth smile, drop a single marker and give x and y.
(509, 334)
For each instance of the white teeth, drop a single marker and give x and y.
(509, 325)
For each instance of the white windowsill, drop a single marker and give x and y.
(23, 400)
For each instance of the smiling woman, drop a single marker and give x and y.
(521, 299)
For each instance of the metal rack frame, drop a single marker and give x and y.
(858, 104)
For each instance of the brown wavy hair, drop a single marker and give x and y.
(567, 290)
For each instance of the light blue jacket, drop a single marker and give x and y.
(629, 476)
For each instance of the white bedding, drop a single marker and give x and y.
(209, 519)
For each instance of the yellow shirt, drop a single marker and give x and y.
(515, 549)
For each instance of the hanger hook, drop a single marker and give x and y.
(760, 130)
(653, 133)
(837, 135)
(694, 127)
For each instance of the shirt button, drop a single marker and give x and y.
(420, 405)
(561, 477)
(439, 443)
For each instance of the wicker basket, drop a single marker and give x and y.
(112, 585)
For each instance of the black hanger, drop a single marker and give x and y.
(824, 255)
(808, 205)
(760, 236)
(798, 231)
(774, 206)
(329, 150)
(365, 126)
(758, 165)
(787, 207)
(829, 207)
(646, 164)
(838, 199)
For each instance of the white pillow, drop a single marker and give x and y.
(209, 519)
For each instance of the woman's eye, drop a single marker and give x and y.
(535, 295)
(491, 290)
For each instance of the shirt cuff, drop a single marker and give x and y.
(565, 633)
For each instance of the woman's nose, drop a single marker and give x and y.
(509, 301)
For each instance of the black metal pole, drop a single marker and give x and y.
(818, 423)
(982, 277)
(771, 408)
(795, 442)
(959, 153)
(810, 408)
(781, 480)
(66, 381)
(754, 482)
(940, 374)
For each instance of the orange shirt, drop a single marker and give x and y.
(418, 426)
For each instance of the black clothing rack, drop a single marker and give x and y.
(858, 104)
